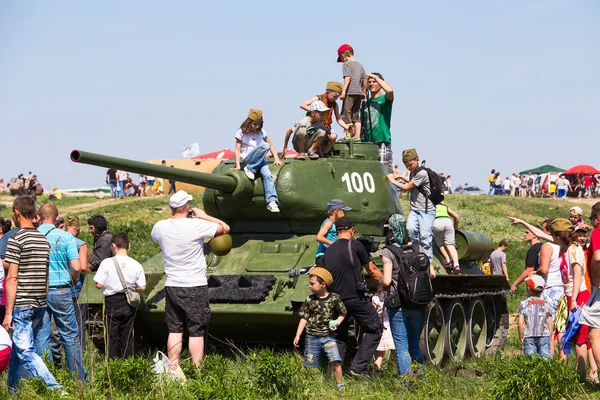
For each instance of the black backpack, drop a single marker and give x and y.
(530, 182)
(414, 291)
(436, 191)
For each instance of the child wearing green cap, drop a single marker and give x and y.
(321, 314)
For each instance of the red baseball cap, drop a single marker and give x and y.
(342, 49)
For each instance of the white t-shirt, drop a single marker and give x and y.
(107, 275)
(249, 141)
(182, 241)
(506, 184)
(575, 255)
(122, 175)
(4, 339)
(562, 184)
(553, 278)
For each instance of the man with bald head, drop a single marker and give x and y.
(64, 269)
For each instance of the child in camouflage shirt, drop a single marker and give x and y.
(321, 314)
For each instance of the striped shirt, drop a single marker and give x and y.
(30, 250)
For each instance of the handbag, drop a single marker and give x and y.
(133, 297)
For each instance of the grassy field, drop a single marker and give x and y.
(240, 373)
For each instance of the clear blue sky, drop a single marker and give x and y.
(479, 84)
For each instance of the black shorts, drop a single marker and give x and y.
(187, 307)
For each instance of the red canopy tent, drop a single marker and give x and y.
(224, 154)
(582, 170)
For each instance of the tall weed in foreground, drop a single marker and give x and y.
(279, 376)
(535, 378)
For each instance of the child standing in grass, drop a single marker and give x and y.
(321, 314)
(118, 314)
(535, 319)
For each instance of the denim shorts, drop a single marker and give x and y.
(313, 347)
(538, 345)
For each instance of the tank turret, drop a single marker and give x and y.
(303, 187)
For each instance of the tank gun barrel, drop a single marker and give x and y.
(223, 183)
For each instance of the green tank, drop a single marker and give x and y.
(255, 290)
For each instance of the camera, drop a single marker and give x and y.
(362, 287)
(298, 271)
(190, 214)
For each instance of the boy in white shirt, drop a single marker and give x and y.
(118, 314)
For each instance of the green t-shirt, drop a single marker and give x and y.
(380, 112)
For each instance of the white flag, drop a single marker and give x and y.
(191, 151)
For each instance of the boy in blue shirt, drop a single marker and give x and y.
(327, 233)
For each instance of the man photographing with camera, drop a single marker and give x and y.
(345, 260)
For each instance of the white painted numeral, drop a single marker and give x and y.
(356, 183)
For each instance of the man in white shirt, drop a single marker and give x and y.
(182, 240)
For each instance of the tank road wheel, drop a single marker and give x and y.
(491, 319)
(477, 324)
(456, 331)
(433, 333)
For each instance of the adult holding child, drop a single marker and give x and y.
(181, 240)
(251, 148)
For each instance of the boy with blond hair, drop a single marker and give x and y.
(354, 90)
(321, 314)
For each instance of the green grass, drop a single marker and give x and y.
(261, 373)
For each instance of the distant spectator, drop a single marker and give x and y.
(530, 185)
(563, 187)
(55, 195)
(448, 185)
(123, 176)
(506, 186)
(111, 181)
(118, 313)
(172, 182)
(143, 185)
(497, 184)
(2, 186)
(102, 240)
(492, 181)
(498, 260)
(588, 182)
(151, 182)
(535, 320)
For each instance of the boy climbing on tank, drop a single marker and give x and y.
(310, 133)
(321, 315)
(327, 233)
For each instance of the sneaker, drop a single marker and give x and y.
(345, 139)
(356, 140)
(302, 156)
(313, 155)
(249, 173)
(272, 206)
(361, 375)
(340, 387)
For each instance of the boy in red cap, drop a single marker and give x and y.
(535, 319)
(321, 314)
(354, 90)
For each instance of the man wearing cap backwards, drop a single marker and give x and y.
(332, 93)
(377, 114)
(422, 211)
(345, 260)
(181, 240)
(102, 247)
(310, 133)
(590, 314)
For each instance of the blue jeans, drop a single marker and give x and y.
(315, 345)
(406, 330)
(539, 345)
(26, 324)
(122, 188)
(60, 305)
(255, 161)
(113, 188)
(420, 229)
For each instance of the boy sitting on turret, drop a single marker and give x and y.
(310, 132)
(321, 314)
(327, 233)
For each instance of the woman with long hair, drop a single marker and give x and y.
(405, 324)
(251, 148)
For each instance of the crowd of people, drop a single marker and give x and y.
(122, 185)
(22, 185)
(557, 186)
(562, 274)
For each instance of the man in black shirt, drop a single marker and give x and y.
(345, 260)
(102, 241)
(532, 259)
(111, 180)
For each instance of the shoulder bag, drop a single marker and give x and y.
(133, 297)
